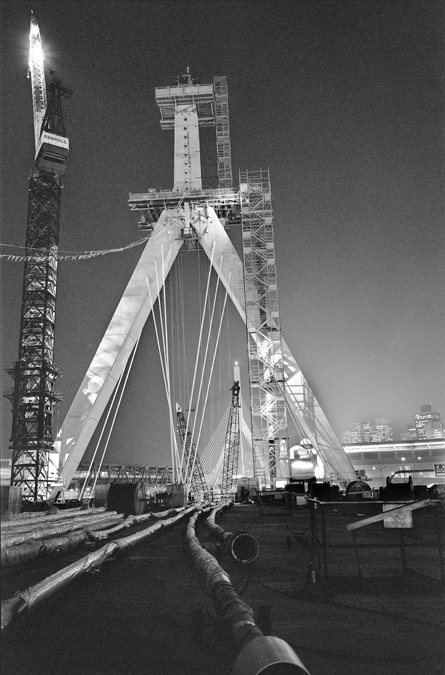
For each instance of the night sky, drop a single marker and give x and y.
(342, 101)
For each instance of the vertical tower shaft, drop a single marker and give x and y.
(34, 373)
(187, 150)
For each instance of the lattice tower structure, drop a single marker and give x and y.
(33, 396)
(268, 405)
(195, 474)
(232, 444)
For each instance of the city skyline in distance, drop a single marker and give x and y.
(427, 426)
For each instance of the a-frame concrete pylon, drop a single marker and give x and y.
(129, 319)
(116, 346)
(131, 315)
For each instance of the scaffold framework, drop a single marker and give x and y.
(268, 406)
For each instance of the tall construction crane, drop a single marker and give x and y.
(34, 373)
(232, 443)
(194, 478)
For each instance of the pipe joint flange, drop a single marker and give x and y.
(265, 655)
(244, 547)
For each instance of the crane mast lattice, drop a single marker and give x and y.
(33, 396)
(232, 444)
(194, 477)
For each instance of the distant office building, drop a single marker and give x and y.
(427, 422)
(411, 434)
(354, 434)
(367, 432)
(427, 425)
(383, 430)
(434, 431)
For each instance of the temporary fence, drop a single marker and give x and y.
(371, 538)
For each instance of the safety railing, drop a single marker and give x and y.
(375, 538)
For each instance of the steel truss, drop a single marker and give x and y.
(195, 474)
(153, 476)
(268, 406)
(231, 445)
(34, 373)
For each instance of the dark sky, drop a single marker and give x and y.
(343, 101)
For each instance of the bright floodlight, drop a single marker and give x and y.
(34, 28)
(35, 46)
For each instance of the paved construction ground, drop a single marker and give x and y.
(138, 615)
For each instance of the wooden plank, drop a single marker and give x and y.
(397, 520)
(388, 514)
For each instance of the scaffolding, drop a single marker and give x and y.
(223, 150)
(268, 406)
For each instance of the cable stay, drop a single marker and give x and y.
(214, 355)
(194, 480)
(211, 457)
(176, 463)
(205, 357)
(122, 390)
(199, 344)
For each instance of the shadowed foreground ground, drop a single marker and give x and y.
(136, 615)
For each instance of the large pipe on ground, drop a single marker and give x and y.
(61, 528)
(12, 556)
(33, 521)
(36, 544)
(241, 545)
(35, 595)
(257, 653)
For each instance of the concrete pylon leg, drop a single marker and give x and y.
(117, 344)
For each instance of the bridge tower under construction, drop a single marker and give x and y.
(193, 216)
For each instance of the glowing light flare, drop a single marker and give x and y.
(36, 59)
